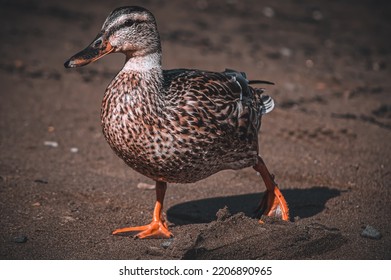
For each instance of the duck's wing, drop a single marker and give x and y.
(218, 98)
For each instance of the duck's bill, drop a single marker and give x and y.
(88, 55)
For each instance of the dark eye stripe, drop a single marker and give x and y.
(129, 22)
(125, 24)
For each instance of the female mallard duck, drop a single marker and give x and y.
(176, 125)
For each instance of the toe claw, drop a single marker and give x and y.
(156, 229)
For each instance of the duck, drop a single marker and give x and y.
(180, 125)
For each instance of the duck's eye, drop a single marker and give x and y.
(129, 22)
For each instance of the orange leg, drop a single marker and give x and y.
(273, 203)
(158, 227)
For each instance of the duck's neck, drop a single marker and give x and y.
(145, 80)
(143, 63)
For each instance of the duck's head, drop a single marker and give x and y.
(130, 30)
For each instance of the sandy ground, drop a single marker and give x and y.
(327, 142)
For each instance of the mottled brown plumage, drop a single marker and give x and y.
(177, 125)
(184, 125)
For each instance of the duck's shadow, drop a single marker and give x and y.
(303, 203)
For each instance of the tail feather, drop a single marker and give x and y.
(251, 82)
(267, 104)
(247, 94)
